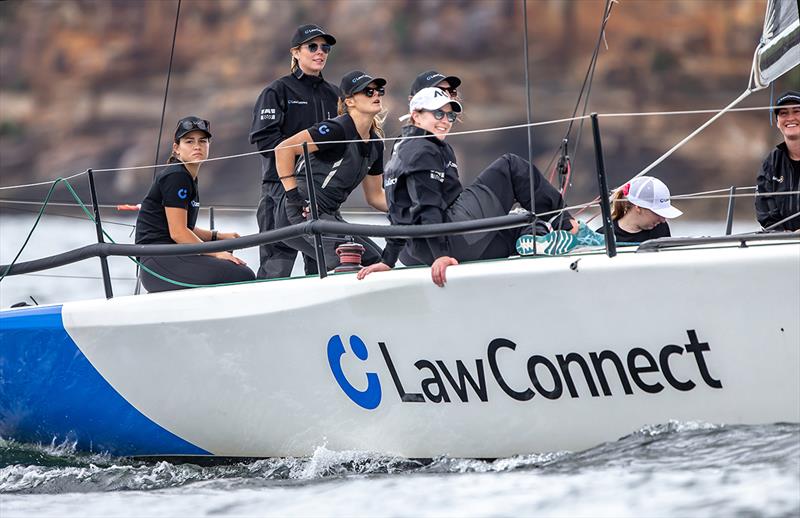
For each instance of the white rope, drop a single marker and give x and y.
(685, 112)
(693, 134)
(49, 182)
(719, 113)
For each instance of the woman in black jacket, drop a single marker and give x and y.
(778, 183)
(337, 167)
(290, 104)
(169, 212)
(423, 186)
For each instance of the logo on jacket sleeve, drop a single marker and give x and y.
(183, 193)
(268, 114)
(368, 398)
(324, 129)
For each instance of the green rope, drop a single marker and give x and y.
(35, 223)
(90, 216)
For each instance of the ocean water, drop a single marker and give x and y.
(665, 469)
(669, 469)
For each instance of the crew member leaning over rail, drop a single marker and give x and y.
(423, 186)
(780, 171)
(640, 209)
(450, 85)
(337, 168)
(169, 212)
(290, 104)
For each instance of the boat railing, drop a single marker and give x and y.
(309, 228)
(317, 228)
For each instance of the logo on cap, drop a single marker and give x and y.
(362, 76)
(309, 31)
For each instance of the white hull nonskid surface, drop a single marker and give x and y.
(247, 370)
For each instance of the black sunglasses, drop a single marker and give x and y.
(440, 114)
(369, 91)
(202, 125)
(312, 47)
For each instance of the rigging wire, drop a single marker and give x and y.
(529, 112)
(138, 287)
(587, 78)
(166, 88)
(392, 139)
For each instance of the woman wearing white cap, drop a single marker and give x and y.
(337, 167)
(423, 186)
(640, 210)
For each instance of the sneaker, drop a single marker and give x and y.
(588, 237)
(558, 242)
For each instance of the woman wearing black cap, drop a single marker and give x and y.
(780, 171)
(169, 212)
(337, 168)
(290, 104)
(430, 78)
(423, 187)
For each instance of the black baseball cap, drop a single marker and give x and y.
(355, 81)
(190, 124)
(432, 78)
(310, 31)
(788, 97)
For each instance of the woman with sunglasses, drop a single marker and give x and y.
(288, 105)
(168, 215)
(423, 187)
(337, 167)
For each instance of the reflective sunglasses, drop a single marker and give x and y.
(202, 125)
(369, 91)
(312, 47)
(440, 114)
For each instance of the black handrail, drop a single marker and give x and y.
(272, 236)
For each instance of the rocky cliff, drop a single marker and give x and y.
(82, 82)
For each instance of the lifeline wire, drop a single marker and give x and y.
(392, 139)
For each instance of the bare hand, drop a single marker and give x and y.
(227, 256)
(438, 269)
(227, 235)
(377, 267)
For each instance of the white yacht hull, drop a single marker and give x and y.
(514, 356)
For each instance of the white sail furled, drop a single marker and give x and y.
(779, 49)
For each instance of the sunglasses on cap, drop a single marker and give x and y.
(202, 125)
(452, 91)
(440, 114)
(369, 91)
(313, 47)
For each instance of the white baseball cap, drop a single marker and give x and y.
(651, 193)
(431, 98)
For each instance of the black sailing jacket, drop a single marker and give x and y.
(778, 175)
(287, 106)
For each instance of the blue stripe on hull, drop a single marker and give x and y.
(49, 389)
